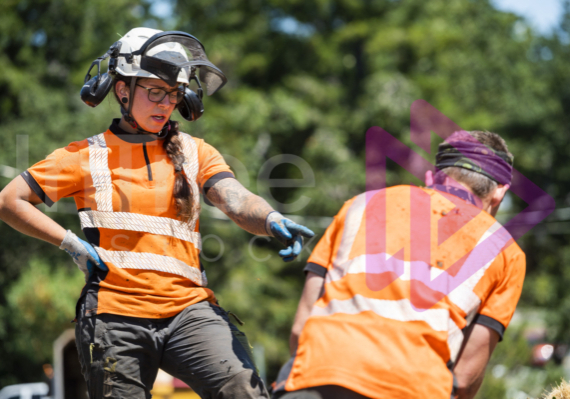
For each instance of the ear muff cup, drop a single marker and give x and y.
(191, 107)
(96, 89)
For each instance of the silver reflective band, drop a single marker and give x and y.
(400, 310)
(463, 297)
(148, 261)
(138, 222)
(100, 173)
(104, 217)
(352, 223)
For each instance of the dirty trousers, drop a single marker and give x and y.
(120, 356)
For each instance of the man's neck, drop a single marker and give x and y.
(484, 204)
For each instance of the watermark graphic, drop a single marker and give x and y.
(431, 280)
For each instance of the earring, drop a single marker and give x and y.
(124, 100)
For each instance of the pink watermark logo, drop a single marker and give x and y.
(416, 262)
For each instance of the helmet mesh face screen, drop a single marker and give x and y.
(212, 77)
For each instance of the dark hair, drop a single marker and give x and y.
(481, 185)
(182, 192)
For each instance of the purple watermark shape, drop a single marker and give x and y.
(382, 269)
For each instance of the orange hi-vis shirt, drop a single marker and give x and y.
(406, 269)
(123, 187)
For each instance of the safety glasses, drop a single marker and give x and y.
(156, 95)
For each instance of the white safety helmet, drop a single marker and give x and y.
(173, 56)
(170, 51)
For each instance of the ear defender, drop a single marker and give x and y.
(96, 89)
(191, 107)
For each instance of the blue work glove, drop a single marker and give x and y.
(83, 254)
(288, 233)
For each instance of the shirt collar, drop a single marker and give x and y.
(133, 138)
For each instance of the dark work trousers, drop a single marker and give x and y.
(120, 356)
(319, 392)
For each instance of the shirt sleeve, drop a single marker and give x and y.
(58, 176)
(323, 254)
(315, 268)
(213, 167)
(498, 308)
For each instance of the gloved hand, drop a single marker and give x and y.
(288, 233)
(83, 254)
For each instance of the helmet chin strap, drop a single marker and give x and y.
(127, 114)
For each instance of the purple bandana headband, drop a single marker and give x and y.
(477, 157)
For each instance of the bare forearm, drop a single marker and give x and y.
(478, 345)
(470, 391)
(247, 210)
(29, 220)
(311, 292)
(18, 212)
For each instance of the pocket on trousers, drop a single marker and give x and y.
(102, 371)
(100, 362)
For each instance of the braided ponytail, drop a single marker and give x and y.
(183, 194)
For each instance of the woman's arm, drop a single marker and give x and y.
(17, 209)
(253, 214)
(247, 210)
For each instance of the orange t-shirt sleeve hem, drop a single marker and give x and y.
(500, 305)
(211, 165)
(58, 176)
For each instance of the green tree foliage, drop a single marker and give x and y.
(306, 79)
(42, 301)
(46, 48)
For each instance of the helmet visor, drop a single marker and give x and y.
(212, 77)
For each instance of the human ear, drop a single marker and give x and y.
(499, 194)
(121, 90)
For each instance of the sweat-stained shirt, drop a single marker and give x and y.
(123, 187)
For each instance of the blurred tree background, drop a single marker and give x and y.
(306, 79)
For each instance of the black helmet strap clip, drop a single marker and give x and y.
(127, 115)
(193, 77)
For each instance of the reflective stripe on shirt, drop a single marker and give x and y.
(100, 173)
(138, 222)
(148, 261)
(104, 217)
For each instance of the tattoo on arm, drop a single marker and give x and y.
(246, 209)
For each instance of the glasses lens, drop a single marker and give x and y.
(156, 95)
(176, 97)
